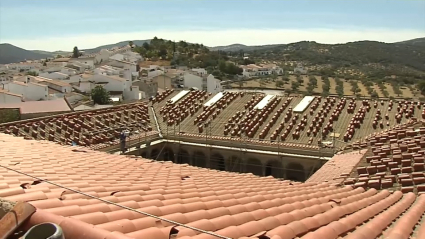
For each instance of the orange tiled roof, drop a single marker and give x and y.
(396, 161)
(97, 129)
(338, 168)
(229, 204)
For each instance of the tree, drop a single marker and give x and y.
(130, 43)
(279, 84)
(100, 95)
(75, 52)
(146, 46)
(44, 63)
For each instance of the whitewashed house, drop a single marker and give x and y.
(192, 80)
(89, 61)
(69, 71)
(213, 84)
(28, 90)
(117, 85)
(7, 97)
(200, 71)
(55, 75)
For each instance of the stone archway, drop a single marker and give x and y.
(199, 159)
(254, 166)
(154, 154)
(295, 172)
(274, 168)
(234, 164)
(183, 157)
(217, 162)
(167, 155)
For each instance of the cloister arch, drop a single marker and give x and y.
(217, 162)
(183, 157)
(199, 159)
(295, 172)
(234, 164)
(254, 166)
(274, 168)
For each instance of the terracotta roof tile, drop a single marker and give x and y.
(228, 204)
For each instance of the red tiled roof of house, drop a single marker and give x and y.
(229, 204)
(338, 168)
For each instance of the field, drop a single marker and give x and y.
(268, 83)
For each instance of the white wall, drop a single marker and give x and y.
(86, 86)
(28, 91)
(87, 61)
(152, 74)
(200, 71)
(54, 76)
(191, 80)
(113, 85)
(213, 84)
(132, 94)
(7, 98)
(119, 57)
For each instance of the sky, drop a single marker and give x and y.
(60, 25)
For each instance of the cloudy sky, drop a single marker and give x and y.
(61, 25)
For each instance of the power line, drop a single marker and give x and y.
(116, 204)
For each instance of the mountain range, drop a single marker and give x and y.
(11, 54)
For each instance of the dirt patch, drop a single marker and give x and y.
(157, 63)
(319, 88)
(407, 93)
(375, 87)
(333, 85)
(347, 87)
(5, 207)
(363, 90)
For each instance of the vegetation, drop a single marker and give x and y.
(354, 87)
(191, 55)
(100, 95)
(75, 52)
(339, 87)
(295, 85)
(9, 115)
(326, 86)
(32, 73)
(312, 83)
(355, 60)
(279, 84)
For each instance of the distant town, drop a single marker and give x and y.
(68, 83)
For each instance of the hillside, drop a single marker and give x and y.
(416, 42)
(372, 59)
(52, 54)
(12, 54)
(239, 47)
(119, 44)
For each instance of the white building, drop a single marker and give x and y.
(200, 71)
(127, 56)
(213, 84)
(28, 90)
(117, 85)
(155, 73)
(24, 66)
(8, 97)
(69, 71)
(192, 80)
(55, 75)
(300, 69)
(89, 61)
(61, 86)
(80, 78)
